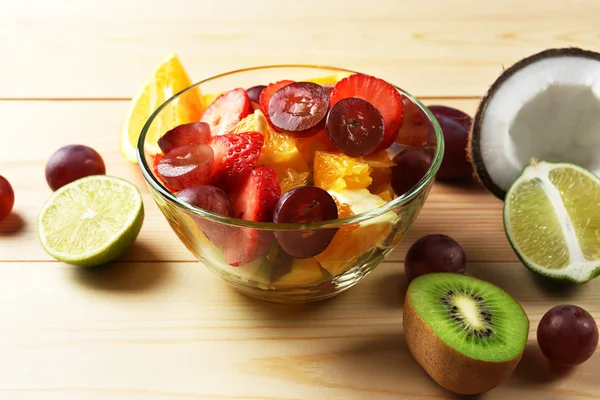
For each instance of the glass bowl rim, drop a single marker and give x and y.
(336, 223)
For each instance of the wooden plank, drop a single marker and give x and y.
(175, 331)
(38, 128)
(72, 49)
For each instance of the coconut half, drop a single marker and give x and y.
(546, 106)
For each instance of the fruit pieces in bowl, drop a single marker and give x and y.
(292, 152)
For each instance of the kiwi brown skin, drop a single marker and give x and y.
(449, 368)
(474, 150)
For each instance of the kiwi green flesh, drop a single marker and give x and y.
(471, 316)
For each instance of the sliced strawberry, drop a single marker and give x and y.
(253, 198)
(380, 94)
(234, 156)
(267, 93)
(157, 158)
(226, 111)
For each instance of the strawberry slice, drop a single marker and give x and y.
(380, 94)
(234, 155)
(226, 111)
(265, 97)
(253, 198)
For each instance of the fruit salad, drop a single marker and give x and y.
(296, 152)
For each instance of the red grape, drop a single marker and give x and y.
(209, 198)
(411, 166)
(254, 93)
(299, 107)
(72, 162)
(567, 335)
(192, 133)
(304, 205)
(434, 253)
(7, 198)
(455, 126)
(416, 126)
(355, 126)
(186, 166)
(213, 199)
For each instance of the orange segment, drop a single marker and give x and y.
(168, 78)
(310, 145)
(334, 171)
(350, 241)
(382, 183)
(290, 179)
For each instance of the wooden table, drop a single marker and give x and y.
(157, 325)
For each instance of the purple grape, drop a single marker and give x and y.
(209, 198)
(455, 126)
(299, 107)
(300, 206)
(192, 133)
(7, 198)
(355, 126)
(254, 93)
(567, 335)
(186, 166)
(73, 162)
(434, 253)
(411, 166)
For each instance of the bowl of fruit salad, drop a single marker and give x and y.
(291, 183)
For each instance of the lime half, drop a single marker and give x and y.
(552, 221)
(91, 221)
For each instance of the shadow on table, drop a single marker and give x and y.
(125, 276)
(535, 367)
(13, 224)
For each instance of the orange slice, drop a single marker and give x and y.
(336, 171)
(167, 79)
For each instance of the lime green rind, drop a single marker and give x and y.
(570, 274)
(111, 249)
(511, 322)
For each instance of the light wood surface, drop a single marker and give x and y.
(158, 325)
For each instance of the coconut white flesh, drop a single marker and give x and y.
(550, 110)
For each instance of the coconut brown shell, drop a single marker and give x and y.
(474, 150)
(449, 368)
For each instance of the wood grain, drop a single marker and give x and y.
(157, 325)
(73, 49)
(175, 331)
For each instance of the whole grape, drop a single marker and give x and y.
(7, 198)
(455, 126)
(434, 253)
(73, 162)
(567, 335)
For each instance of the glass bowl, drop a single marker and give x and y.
(361, 241)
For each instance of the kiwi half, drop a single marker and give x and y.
(467, 334)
